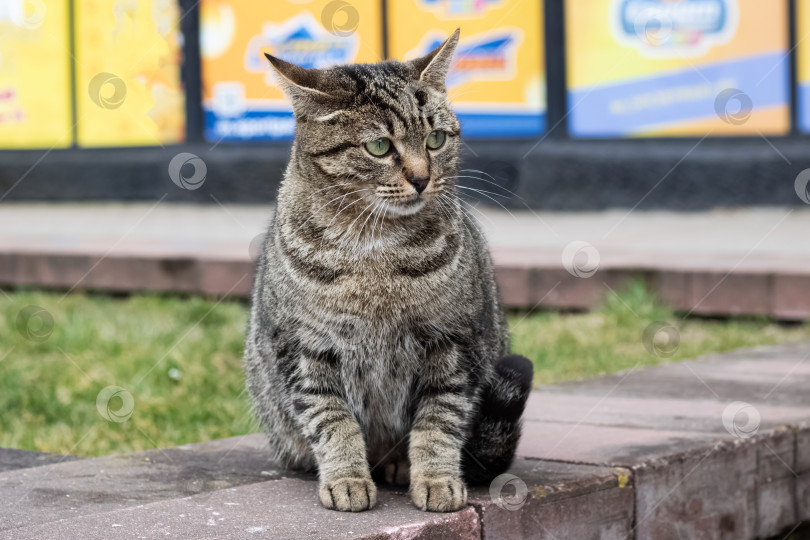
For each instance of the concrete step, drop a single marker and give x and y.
(645, 454)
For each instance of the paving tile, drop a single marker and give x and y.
(673, 288)
(695, 415)
(781, 379)
(561, 500)
(74, 488)
(226, 277)
(666, 424)
(608, 445)
(700, 495)
(285, 508)
(525, 283)
(802, 469)
(730, 294)
(12, 459)
(515, 284)
(776, 484)
(558, 501)
(791, 296)
(683, 479)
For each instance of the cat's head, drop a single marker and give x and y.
(385, 129)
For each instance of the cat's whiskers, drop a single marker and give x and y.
(522, 200)
(331, 187)
(493, 199)
(475, 220)
(453, 209)
(349, 228)
(474, 207)
(485, 193)
(324, 206)
(443, 208)
(381, 214)
(363, 226)
(340, 211)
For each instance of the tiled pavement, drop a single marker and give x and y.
(714, 448)
(751, 261)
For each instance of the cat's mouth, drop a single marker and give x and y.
(406, 206)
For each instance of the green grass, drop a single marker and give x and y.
(180, 359)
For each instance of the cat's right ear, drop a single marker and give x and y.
(301, 86)
(434, 66)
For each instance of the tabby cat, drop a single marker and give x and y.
(377, 344)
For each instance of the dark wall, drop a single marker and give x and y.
(555, 175)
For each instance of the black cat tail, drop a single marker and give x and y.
(496, 430)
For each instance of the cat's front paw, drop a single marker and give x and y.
(351, 494)
(441, 493)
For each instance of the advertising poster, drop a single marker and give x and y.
(128, 85)
(677, 67)
(35, 109)
(241, 100)
(497, 83)
(803, 63)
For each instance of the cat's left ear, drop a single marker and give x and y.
(434, 66)
(301, 86)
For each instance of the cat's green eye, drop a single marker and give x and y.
(435, 140)
(379, 147)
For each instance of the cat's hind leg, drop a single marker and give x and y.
(398, 472)
(496, 429)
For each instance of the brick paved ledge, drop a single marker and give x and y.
(660, 453)
(742, 261)
(527, 280)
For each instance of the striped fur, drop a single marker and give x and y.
(376, 330)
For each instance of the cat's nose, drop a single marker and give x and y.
(419, 182)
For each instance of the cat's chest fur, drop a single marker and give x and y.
(378, 374)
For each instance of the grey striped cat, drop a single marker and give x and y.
(377, 346)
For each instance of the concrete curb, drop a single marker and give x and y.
(779, 293)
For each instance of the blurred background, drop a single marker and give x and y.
(640, 167)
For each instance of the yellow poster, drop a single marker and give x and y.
(35, 108)
(677, 67)
(240, 98)
(128, 85)
(497, 83)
